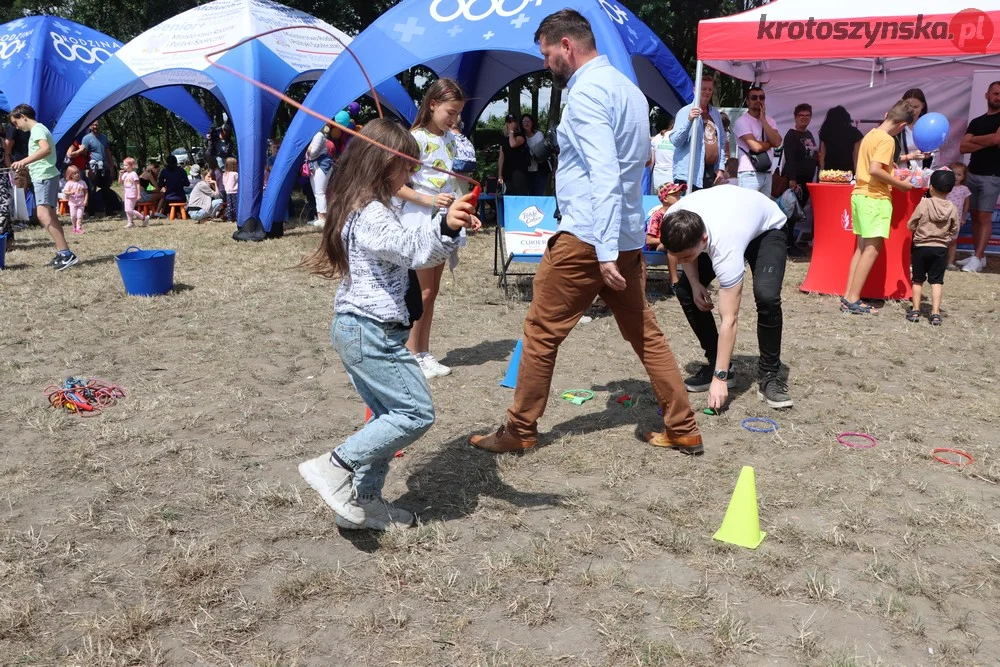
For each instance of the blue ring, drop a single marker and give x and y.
(759, 419)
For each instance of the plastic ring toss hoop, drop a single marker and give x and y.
(752, 424)
(965, 458)
(846, 440)
(577, 396)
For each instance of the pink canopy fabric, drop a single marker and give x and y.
(806, 39)
(860, 54)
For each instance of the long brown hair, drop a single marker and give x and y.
(364, 175)
(441, 91)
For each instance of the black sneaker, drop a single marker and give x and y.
(55, 261)
(63, 262)
(774, 391)
(702, 380)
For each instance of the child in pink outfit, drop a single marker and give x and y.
(959, 196)
(76, 194)
(130, 185)
(231, 183)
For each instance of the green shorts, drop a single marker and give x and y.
(870, 217)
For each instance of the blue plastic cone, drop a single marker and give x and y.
(510, 379)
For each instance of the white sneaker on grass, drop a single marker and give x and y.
(334, 485)
(425, 367)
(974, 265)
(438, 368)
(378, 515)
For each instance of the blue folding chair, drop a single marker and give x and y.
(524, 227)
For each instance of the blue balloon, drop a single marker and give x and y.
(342, 118)
(930, 131)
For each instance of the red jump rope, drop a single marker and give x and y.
(477, 187)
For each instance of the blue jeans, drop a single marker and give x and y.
(391, 383)
(201, 214)
(755, 180)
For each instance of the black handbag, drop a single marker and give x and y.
(760, 161)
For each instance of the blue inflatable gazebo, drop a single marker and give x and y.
(484, 46)
(175, 51)
(44, 60)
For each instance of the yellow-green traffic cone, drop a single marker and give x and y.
(741, 526)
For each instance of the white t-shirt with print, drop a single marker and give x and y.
(663, 154)
(734, 217)
(439, 152)
(747, 124)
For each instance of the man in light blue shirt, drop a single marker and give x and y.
(603, 147)
(704, 121)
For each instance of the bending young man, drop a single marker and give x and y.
(713, 233)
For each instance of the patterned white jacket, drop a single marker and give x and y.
(381, 252)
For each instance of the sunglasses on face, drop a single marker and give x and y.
(754, 98)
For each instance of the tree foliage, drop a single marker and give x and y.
(149, 129)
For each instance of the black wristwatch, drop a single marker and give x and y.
(722, 375)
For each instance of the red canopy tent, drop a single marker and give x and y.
(842, 49)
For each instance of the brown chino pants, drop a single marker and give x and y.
(567, 281)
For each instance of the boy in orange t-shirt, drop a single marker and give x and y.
(871, 202)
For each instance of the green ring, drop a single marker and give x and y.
(577, 396)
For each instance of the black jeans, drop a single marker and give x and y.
(766, 256)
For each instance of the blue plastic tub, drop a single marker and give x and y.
(3, 251)
(146, 272)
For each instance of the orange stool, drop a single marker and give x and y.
(145, 208)
(179, 206)
(63, 207)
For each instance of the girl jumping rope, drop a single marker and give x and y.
(130, 186)
(77, 195)
(431, 191)
(365, 244)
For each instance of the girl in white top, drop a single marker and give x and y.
(429, 191)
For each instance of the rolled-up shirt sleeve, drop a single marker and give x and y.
(595, 139)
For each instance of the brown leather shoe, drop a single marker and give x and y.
(688, 444)
(501, 441)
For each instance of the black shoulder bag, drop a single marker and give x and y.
(760, 161)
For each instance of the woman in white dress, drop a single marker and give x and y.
(429, 191)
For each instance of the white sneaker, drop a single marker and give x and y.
(316, 223)
(334, 485)
(439, 369)
(974, 265)
(964, 261)
(429, 372)
(378, 515)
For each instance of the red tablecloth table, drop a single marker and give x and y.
(834, 243)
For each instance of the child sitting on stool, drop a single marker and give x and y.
(934, 224)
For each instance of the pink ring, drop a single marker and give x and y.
(852, 445)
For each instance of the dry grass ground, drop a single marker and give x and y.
(174, 529)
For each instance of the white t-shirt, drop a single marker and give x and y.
(439, 152)
(663, 154)
(747, 124)
(734, 217)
